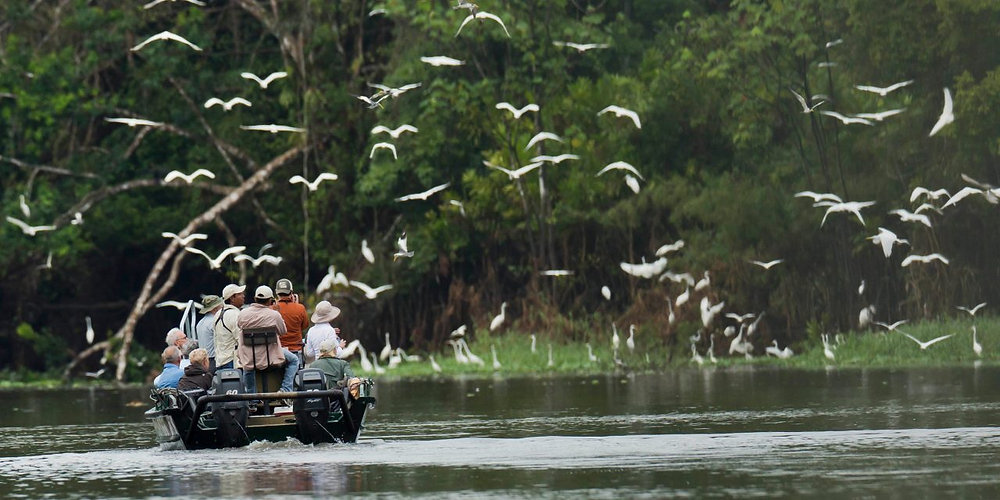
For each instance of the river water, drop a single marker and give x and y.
(747, 432)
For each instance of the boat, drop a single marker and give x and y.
(222, 417)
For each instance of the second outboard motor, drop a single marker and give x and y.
(230, 416)
(311, 413)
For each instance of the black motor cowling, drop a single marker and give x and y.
(230, 416)
(311, 413)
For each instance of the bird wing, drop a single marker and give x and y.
(238, 100)
(177, 38)
(404, 128)
(298, 179)
(510, 173)
(204, 172)
(230, 250)
(19, 223)
(620, 165)
(361, 286)
(326, 176)
(381, 289)
(508, 106)
(213, 101)
(466, 21)
(525, 169)
(802, 100)
(274, 76)
(250, 76)
(383, 145)
(435, 189)
(177, 174)
(542, 136)
(946, 114)
(487, 15)
(870, 88)
(936, 340)
(961, 194)
(895, 86)
(634, 116)
(197, 251)
(378, 129)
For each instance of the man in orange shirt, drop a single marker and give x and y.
(294, 314)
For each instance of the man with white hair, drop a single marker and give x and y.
(171, 373)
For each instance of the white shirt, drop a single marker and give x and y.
(317, 334)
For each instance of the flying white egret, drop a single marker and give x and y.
(402, 250)
(458, 332)
(314, 185)
(644, 269)
(499, 318)
(387, 350)
(384, 145)
(927, 206)
(542, 136)
(270, 259)
(483, 14)
(924, 259)
(580, 47)
(961, 195)
(90, 331)
(833, 43)
(556, 272)
(134, 122)
(846, 120)
(272, 128)
(459, 205)
(818, 197)
(367, 252)
(685, 278)
(853, 207)
(514, 174)
(670, 247)
(907, 216)
(517, 112)
(164, 36)
(332, 278)
(27, 229)
(227, 105)
(264, 82)
(394, 132)
(767, 265)
(882, 91)
(425, 194)
(973, 310)
(185, 241)
(881, 115)
(891, 327)
(924, 345)
(922, 191)
(217, 261)
(620, 165)
(887, 239)
(620, 112)
(606, 292)
(802, 102)
(555, 159)
(187, 178)
(496, 362)
(947, 116)
(154, 3)
(370, 293)
(441, 61)
(393, 92)
(709, 311)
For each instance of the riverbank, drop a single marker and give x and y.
(875, 348)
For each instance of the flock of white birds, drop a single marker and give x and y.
(744, 325)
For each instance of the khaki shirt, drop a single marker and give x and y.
(226, 334)
(259, 316)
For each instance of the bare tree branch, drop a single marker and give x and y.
(44, 168)
(95, 196)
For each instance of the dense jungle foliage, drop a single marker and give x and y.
(722, 148)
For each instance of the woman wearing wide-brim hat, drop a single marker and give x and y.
(322, 330)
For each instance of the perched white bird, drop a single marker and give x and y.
(695, 356)
(187, 178)
(468, 353)
(387, 350)
(552, 362)
(973, 310)
(90, 331)
(555, 159)
(606, 292)
(961, 195)
(270, 259)
(865, 316)
(924, 345)
(556, 272)
(669, 247)
(384, 145)
(780, 353)
(135, 122)
(620, 112)
(620, 165)
(703, 282)
(496, 362)
(818, 197)
(630, 341)
(514, 174)
(217, 261)
(907, 216)
(314, 185)
(272, 128)
(185, 241)
(363, 355)
(165, 35)
(332, 278)
(425, 194)
(671, 317)
(683, 298)
(266, 80)
(517, 112)
(482, 14)
(367, 252)
(827, 349)
(891, 327)
(542, 136)
(924, 259)
(881, 115)
(499, 318)
(25, 209)
(370, 293)
(458, 332)
(846, 120)
(767, 265)
(402, 250)
(853, 207)
(645, 270)
(154, 3)
(887, 239)
(922, 191)
(976, 346)
(441, 61)
(378, 369)
(533, 341)
(861, 288)
(615, 340)
(227, 105)
(802, 102)
(947, 116)
(77, 219)
(394, 132)
(434, 364)
(882, 91)
(590, 354)
(26, 229)
(580, 47)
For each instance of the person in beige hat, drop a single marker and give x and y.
(204, 331)
(322, 330)
(226, 330)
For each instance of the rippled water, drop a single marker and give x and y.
(745, 433)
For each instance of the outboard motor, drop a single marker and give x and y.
(230, 416)
(311, 413)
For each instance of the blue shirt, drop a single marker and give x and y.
(170, 376)
(204, 331)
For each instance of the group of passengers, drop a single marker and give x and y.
(190, 364)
